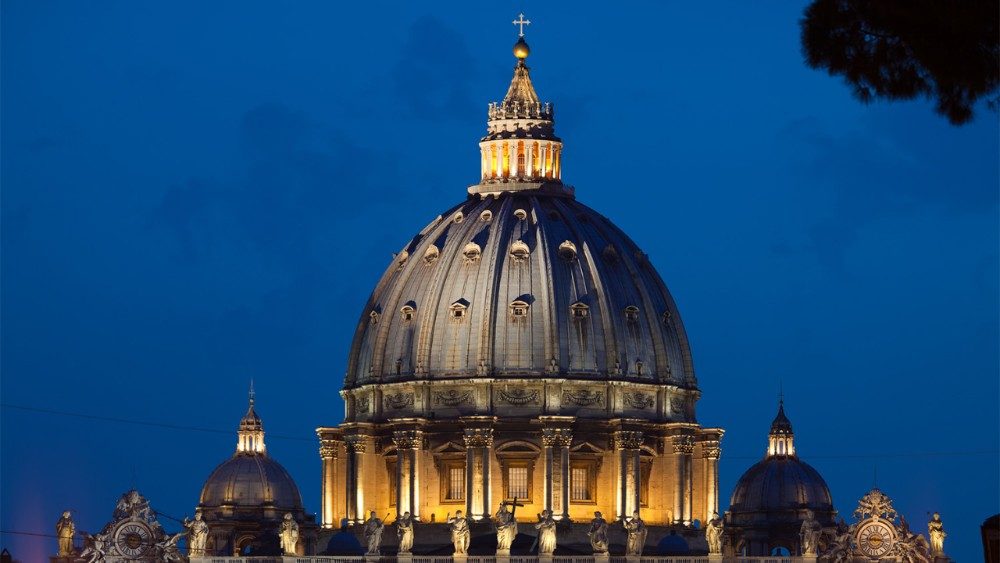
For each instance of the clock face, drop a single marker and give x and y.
(875, 539)
(133, 539)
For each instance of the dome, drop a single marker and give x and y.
(523, 283)
(778, 484)
(251, 480)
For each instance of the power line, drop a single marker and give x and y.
(141, 422)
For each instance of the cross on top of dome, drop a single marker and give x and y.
(521, 22)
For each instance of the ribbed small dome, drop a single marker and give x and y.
(780, 483)
(251, 480)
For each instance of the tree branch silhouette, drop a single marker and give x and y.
(944, 50)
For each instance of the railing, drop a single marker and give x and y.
(485, 559)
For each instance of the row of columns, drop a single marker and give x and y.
(478, 453)
(478, 439)
(627, 444)
(495, 164)
(561, 439)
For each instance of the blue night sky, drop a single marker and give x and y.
(197, 194)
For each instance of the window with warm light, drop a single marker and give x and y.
(454, 482)
(583, 482)
(517, 482)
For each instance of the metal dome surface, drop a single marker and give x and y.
(780, 483)
(251, 480)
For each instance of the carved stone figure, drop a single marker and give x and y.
(373, 533)
(935, 529)
(636, 529)
(598, 533)
(65, 530)
(289, 532)
(168, 550)
(96, 547)
(809, 534)
(713, 534)
(197, 535)
(546, 527)
(460, 533)
(506, 527)
(132, 504)
(404, 530)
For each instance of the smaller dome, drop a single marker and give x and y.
(250, 480)
(780, 483)
(521, 49)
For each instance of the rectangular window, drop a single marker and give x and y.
(456, 483)
(517, 482)
(580, 484)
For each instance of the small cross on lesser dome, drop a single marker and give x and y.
(521, 22)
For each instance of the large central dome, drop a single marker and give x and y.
(515, 284)
(520, 347)
(520, 279)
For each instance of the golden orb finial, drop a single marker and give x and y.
(521, 49)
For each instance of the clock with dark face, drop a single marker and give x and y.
(875, 538)
(133, 539)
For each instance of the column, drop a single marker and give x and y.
(637, 479)
(408, 442)
(547, 443)
(628, 442)
(528, 161)
(564, 445)
(688, 482)
(683, 448)
(487, 461)
(712, 453)
(415, 478)
(329, 451)
(355, 447)
(478, 449)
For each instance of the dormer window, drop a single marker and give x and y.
(579, 310)
(521, 214)
(471, 253)
(485, 216)
(519, 252)
(431, 254)
(666, 318)
(518, 310)
(458, 309)
(406, 313)
(373, 317)
(567, 251)
(631, 313)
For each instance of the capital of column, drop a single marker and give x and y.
(329, 448)
(355, 444)
(711, 450)
(627, 439)
(557, 437)
(478, 437)
(408, 439)
(683, 445)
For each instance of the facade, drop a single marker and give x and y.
(775, 496)
(246, 497)
(520, 348)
